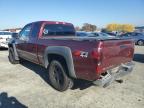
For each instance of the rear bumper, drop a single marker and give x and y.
(124, 69)
(109, 76)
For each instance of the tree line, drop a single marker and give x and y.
(120, 27)
(109, 28)
(87, 27)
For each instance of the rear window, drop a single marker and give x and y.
(58, 30)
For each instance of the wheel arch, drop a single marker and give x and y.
(64, 52)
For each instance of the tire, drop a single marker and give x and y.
(12, 56)
(140, 42)
(58, 77)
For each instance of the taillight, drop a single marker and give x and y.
(97, 56)
(98, 69)
(97, 52)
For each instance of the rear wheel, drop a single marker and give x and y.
(58, 77)
(12, 56)
(140, 42)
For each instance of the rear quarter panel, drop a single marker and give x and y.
(84, 66)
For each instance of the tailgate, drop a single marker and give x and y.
(116, 52)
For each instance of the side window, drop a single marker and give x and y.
(96, 34)
(25, 33)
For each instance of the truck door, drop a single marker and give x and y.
(22, 41)
(27, 47)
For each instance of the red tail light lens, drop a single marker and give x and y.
(98, 69)
(97, 53)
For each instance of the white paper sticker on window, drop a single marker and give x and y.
(45, 31)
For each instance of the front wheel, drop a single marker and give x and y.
(12, 56)
(58, 77)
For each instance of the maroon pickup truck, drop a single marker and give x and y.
(55, 46)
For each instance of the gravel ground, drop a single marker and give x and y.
(26, 85)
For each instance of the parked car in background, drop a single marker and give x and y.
(138, 37)
(101, 34)
(92, 34)
(83, 34)
(4, 38)
(14, 35)
(110, 33)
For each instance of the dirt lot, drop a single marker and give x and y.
(26, 85)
